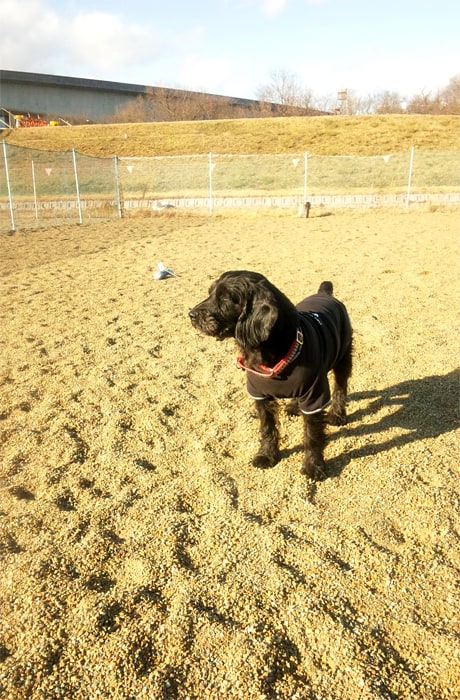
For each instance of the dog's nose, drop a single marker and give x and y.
(192, 313)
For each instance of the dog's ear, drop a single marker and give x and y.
(258, 318)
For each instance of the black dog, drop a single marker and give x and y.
(287, 352)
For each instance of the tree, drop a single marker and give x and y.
(166, 104)
(389, 103)
(446, 101)
(285, 91)
(142, 109)
(450, 96)
(357, 104)
(424, 103)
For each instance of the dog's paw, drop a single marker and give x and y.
(262, 460)
(315, 472)
(292, 408)
(336, 419)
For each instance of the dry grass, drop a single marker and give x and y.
(368, 135)
(142, 556)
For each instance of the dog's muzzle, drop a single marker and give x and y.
(205, 322)
(202, 321)
(192, 314)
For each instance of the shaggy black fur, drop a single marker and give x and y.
(246, 306)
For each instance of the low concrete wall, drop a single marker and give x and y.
(331, 201)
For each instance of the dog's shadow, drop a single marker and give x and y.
(422, 408)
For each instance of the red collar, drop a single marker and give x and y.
(290, 356)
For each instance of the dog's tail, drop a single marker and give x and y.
(326, 288)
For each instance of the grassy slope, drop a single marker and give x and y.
(364, 135)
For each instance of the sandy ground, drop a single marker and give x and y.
(142, 556)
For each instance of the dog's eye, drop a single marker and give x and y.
(229, 298)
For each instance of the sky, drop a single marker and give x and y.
(235, 47)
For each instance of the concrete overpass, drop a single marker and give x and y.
(82, 99)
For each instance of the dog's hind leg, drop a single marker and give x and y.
(268, 454)
(314, 442)
(337, 414)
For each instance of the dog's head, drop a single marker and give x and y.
(243, 305)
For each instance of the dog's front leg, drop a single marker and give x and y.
(268, 453)
(314, 441)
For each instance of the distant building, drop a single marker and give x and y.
(81, 100)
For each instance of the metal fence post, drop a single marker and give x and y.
(35, 190)
(117, 187)
(305, 176)
(8, 186)
(411, 165)
(211, 167)
(77, 185)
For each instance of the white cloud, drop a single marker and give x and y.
(88, 43)
(197, 73)
(30, 35)
(269, 8)
(272, 8)
(105, 41)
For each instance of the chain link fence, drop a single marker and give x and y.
(46, 187)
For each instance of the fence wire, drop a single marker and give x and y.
(51, 187)
(43, 187)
